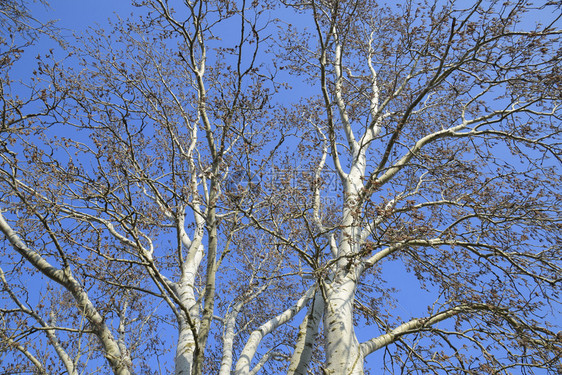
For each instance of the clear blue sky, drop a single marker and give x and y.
(79, 15)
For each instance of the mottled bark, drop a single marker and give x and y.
(184, 350)
(249, 351)
(343, 353)
(308, 332)
(187, 330)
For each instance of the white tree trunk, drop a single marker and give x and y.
(308, 331)
(343, 353)
(185, 350)
(243, 366)
(185, 290)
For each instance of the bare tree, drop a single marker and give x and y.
(442, 123)
(160, 176)
(134, 187)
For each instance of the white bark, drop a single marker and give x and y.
(343, 353)
(263, 360)
(64, 277)
(245, 360)
(342, 350)
(40, 369)
(184, 350)
(185, 290)
(308, 331)
(49, 329)
(228, 339)
(415, 325)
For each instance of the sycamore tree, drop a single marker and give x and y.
(171, 204)
(442, 122)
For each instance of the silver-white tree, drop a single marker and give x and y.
(170, 179)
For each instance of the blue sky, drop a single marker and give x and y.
(78, 16)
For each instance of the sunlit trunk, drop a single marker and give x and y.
(187, 330)
(343, 354)
(308, 331)
(185, 350)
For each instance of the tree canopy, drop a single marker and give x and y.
(283, 187)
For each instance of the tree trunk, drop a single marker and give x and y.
(185, 350)
(308, 331)
(343, 353)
